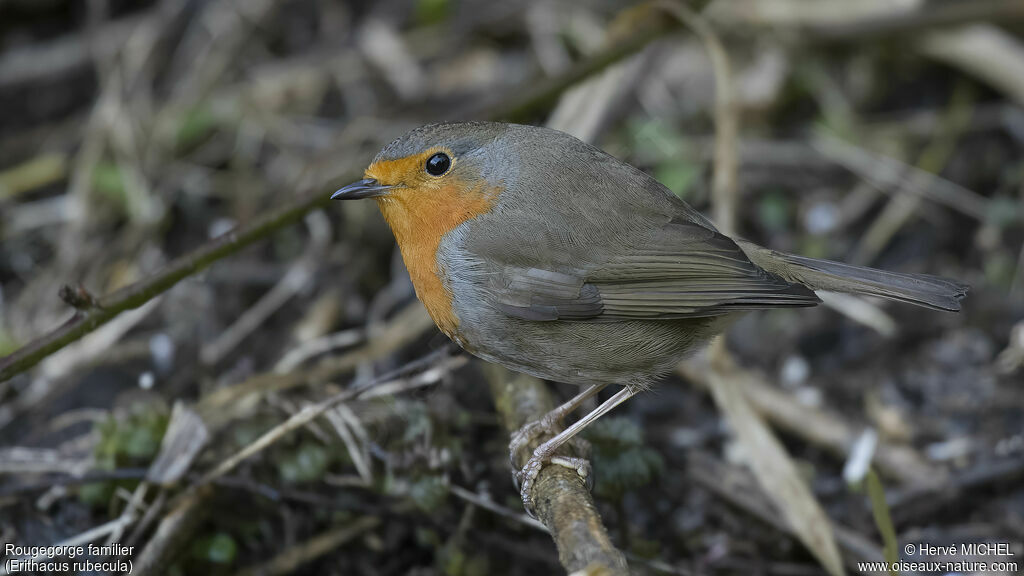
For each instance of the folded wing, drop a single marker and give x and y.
(680, 270)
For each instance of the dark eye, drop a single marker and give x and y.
(438, 164)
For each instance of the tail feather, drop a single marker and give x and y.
(920, 289)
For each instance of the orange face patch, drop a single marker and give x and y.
(421, 210)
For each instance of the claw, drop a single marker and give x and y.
(530, 432)
(526, 477)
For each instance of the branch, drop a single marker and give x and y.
(137, 294)
(564, 505)
(174, 531)
(132, 296)
(899, 23)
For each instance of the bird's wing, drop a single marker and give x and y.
(681, 270)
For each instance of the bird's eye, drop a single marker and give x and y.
(438, 164)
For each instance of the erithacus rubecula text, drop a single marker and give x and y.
(537, 251)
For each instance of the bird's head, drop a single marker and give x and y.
(433, 179)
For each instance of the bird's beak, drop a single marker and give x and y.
(365, 188)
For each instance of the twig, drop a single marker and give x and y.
(723, 185)
(898, 23)
(564, 505)
(933, 159)
(736, 487)
(35, 173)
(488, 504)
(894, 177)
(139, 293)
(290, 559)
(221, 406)
(298, 276)
(917, 505)
(311, 412)
(173, 531)
(539, 95)
(112, 529)
(823, 428)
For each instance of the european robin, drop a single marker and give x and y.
(544, 254)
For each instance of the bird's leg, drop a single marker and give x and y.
(545, 452)
(548, 422)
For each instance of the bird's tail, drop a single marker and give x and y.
(920, 289)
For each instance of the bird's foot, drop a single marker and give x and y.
(548, 425)
(527, 476)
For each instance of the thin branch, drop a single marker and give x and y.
(899, 23)
(139, 293)
(173, 531)
(564, 505)
(292, 558)
(312, 411)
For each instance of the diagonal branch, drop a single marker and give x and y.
(104, 309)
(564, 505)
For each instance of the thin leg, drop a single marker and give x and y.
(545, 451)
(531, 430)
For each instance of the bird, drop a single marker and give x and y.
(534, 250)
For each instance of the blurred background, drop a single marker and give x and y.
(887, 133)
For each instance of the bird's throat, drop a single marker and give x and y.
(420, 220)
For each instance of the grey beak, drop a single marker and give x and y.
(366, 188)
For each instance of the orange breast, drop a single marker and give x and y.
(420, 217)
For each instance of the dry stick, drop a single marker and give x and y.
(724, 179)
(933, 159)
(312, 411)
(896, 24)
(928, 16)
(736, 487)
(136, 294)
(221, 406)
(564, 505)
(822, 427)
(173, 531)
(291, 559)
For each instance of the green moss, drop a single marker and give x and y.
(432, 11)
(774, 210)
(108, 181)
(677, 176)
(307, 463)
(429, 493)
(126, 440)
(195, 126)
(217, 548)
(7, 342)
(621, 460)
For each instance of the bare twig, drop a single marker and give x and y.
(290, 559)
(311, 412)
(564, 505)
(37, 172)
(173, 531)
(724, 181)
(139, 293)
(822, 428)
(736, 487)
(932, 160)
(898, 22)
(488, 504)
